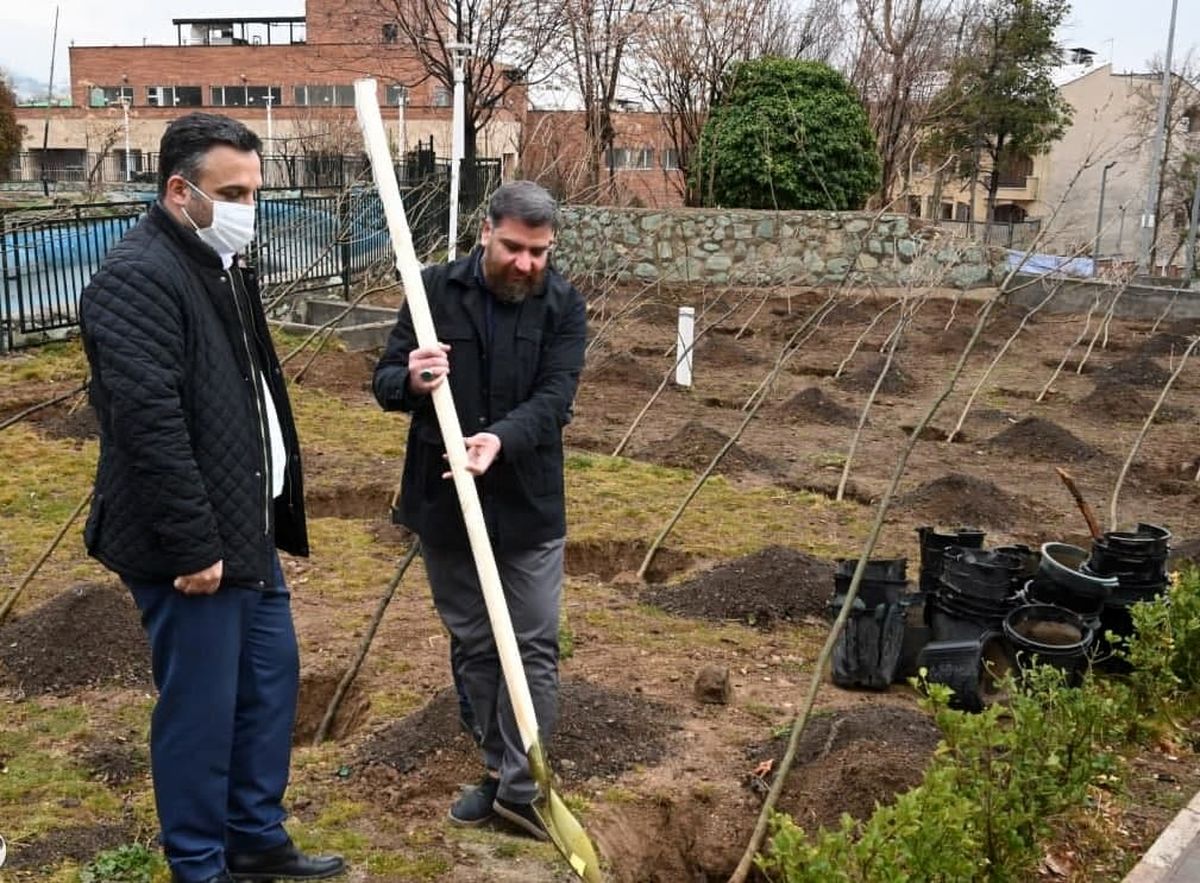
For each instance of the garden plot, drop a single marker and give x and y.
(668, 786)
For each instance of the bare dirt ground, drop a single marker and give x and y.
(669, 786)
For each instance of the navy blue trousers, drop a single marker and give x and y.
(227, 670)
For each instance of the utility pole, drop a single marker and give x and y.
(1156, 152)
(401, 135)
(49, 104)
(1100, 212)
(270, 123)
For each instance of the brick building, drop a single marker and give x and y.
(288, 78)
(641, 170)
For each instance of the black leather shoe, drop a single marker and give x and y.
(284, 862)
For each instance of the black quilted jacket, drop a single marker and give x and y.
(176, 344)
(520, 387)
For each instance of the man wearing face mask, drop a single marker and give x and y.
(512, 334)
(198, 483)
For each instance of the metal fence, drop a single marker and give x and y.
(82, 169)
(1009, 234)
(49, 255)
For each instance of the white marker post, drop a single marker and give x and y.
(683, 346)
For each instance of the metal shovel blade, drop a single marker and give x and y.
(564, 829)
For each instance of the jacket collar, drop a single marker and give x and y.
(186, 239)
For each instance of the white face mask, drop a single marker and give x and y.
(232, 226)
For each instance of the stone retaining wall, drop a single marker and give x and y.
(747, 247)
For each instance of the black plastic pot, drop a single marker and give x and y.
(1030, 559)
(1147, 540)
(978, 573)
(1064, 567)
(884, 580)
(1050, 635)
(970, 667)
(868, 650)
(933, 544)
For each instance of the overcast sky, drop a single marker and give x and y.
(1128, 31)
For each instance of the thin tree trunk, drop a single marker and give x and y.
(37, 565)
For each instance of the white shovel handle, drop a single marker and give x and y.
(366, 103)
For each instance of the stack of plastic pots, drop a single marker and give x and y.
(977, 590)
(867, 652)
(971, 668)
(1065, 578)
(934, 545)
(1138, 561)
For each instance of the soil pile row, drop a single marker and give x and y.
(964, 499)
(811, 405)
(1041, 439)
(694, 446)
(862, 378)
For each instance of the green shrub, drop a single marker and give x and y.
(132, 863)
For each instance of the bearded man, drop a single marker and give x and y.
(511, 334)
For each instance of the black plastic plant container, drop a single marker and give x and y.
(933, 544)
(1064, 567)
(980, 573)
(1050, 635)
(971, 667)
(884, 580)
(1030, 559)
(1146, 541)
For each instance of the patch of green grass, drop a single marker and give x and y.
(47, 363)
(399, 866)
(132, 863)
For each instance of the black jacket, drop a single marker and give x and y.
(176, 344)
(520, 388)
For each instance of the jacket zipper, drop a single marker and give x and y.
(258, 404)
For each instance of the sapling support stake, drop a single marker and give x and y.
(742, 870)
(37, 565)
(1137, 442)
(862, 418)
(1166, 311)
(859, 340)
(365, 645)
(1087, 324)
(1103, 325)
(752, 316)
(560, 824)
(996, 360)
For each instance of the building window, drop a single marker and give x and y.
(174, 96)
(391, 31)
(669, 159)
(245, 96)
(441, 96)
(914, 206)
(631, 158)
(106, 96)
(396, 95)
(325, 96)
(962, 211)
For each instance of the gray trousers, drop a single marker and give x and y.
(532, 581)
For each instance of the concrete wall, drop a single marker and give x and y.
(1144, 302)
(746, 247)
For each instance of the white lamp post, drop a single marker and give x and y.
(125, 121)
(270, 123)
(460, 52)
(401, 135)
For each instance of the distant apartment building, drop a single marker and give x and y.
(289, 78)
(1112, 126)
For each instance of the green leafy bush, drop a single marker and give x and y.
(132, 863)
(788, 134)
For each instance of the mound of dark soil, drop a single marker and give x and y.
(862, 378)
(80, 844)
(114, 762)
(850, 760)
(348, 374)
(1135, 371)
(811, 405)
(1041, 439)
(1108, 402)
(600, 732)
(694, 446)
(65, 421)
(954, 340)
(724, 353)
(87, 636)
(964, 499)
(621, 369)
(771, 586)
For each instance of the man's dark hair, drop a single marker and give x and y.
(526, 201)
(189, 138)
